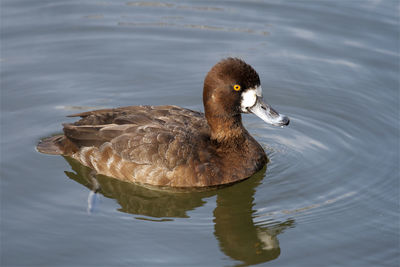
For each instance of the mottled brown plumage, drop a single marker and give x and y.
(170, 145)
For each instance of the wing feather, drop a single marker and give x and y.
(141, 134)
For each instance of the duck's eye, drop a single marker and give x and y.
(236, 87)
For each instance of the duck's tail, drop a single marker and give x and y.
(52, 145)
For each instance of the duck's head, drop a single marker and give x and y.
(233, 87)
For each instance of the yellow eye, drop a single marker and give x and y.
(236, 87)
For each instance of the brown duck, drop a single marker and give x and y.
(174, 146)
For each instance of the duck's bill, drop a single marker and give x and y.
(268, 114)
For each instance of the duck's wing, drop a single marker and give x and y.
(137, 115)
(125, 127)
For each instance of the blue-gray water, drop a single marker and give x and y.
(330, 194)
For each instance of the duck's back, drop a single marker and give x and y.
(158, 145)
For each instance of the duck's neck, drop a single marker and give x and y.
(226, 128)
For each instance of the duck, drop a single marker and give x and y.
(171, 146)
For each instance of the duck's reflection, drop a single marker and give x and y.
(238, 236)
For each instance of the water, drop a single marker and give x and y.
(328, 197)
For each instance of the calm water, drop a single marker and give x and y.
(328, 197)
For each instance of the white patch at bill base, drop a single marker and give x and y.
(249, 98)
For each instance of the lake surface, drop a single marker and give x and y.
(328, 197)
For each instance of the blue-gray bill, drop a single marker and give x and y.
(268, 114)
